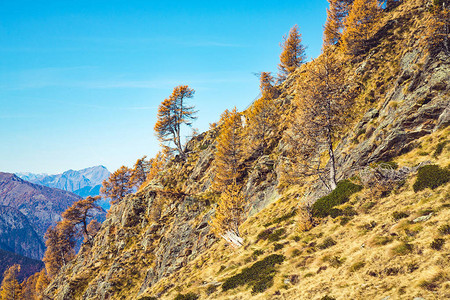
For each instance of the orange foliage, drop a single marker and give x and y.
(293, 53)
(118, 185)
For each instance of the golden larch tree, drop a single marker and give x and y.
(438, 33)
(156, 166)
(336, 14)
(262, 116)
(118, 185)
(325, 107)
(293, 53)
(360, 25)
(140, 171)
(10, 288)
(172, 114)
(230, 152)
(60, 243)
(80, 213)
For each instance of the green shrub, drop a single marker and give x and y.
(327, 298)
(277, 246)
(327, 243)
(439, 148)
(356, 266)
(257, 253)
(431, 176)
(148, 298)
(325, 205)
(399, 215)
(211, 289)
(259, 275)
(444, 229)
(403, 249)
(437, 244)
(282, 218)
(188, 296)
(271, 234)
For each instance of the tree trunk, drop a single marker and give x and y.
(332, 162)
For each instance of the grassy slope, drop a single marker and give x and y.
(366, 261)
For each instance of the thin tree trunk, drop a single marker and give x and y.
(332, 164)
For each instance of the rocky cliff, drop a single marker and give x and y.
(157, 243)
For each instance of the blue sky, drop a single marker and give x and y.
(80, 81)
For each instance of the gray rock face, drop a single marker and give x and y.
(17, 235)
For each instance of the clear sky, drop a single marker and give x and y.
(80, 81)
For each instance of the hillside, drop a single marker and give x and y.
(17, 235)
(387, 241)
(28, 266)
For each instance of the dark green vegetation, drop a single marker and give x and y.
(444, 229)
(439, 148)
(271, 234)
(259, 275)
(431, 176)
(188, 296)
(399, 215)
(437, 244)
(325, 205)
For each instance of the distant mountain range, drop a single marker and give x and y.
(85, 182)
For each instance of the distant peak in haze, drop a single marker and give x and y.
(84, 182)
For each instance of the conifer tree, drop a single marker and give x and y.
(80, 213)
(262, 116)
(336, 14)
(41, 284)
(325, 107)
(60, 243)
(359, 25)
(28, 287)
(140, 171)
(172, 113)
(10, 288)
(229, 215)
(229, 153)
(293, 53)
(438, 33)
(118, 185)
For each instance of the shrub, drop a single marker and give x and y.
(324, 206)
(403, 249)
(257, 253)
(444, 229)
(439, 148)
(356, 266)
(327, 243)
(431, 176)
(188, 296)
(399, 215)
(259, 275)
(211, 289)
(327, 298)
(277, 246)
(271, 235)
(282, 218)
(437, 244)
(148, 298)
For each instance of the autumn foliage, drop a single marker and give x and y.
(172, 113)
(360, 25)
(10, 288)
(118, 185)
(293, 53)
(438, 34)
(336, 14)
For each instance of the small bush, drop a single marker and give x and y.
(327, 243)
(277, 246)
(188, 296)
(211, 289)
(327, 298)
(437, 244)
(356, 266)
(444, 229)
(276, 235)
(439, 148)
(382, 240)
(259, 275)
(344, 220)
(282, 218)
(148, 298)
(431, 176)
(257, 253)
(399, 215)
(403, 249)
(324, 206)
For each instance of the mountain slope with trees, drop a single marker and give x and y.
(370, 221)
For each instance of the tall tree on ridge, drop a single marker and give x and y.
(118, 185)
(172, 113)
(293, 53)
(336, 14)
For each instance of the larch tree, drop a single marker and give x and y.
(229, 151)
(41, 284)
(325, 107)
(118, 185)
(228, 159)
(140, 171)
(262, 116)
(60, 243)
(10, 288)
(80, 214)
(28, 287)
(360, 25)
(336, 14)
(293, 53)
(438, 33)
(172, 114)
